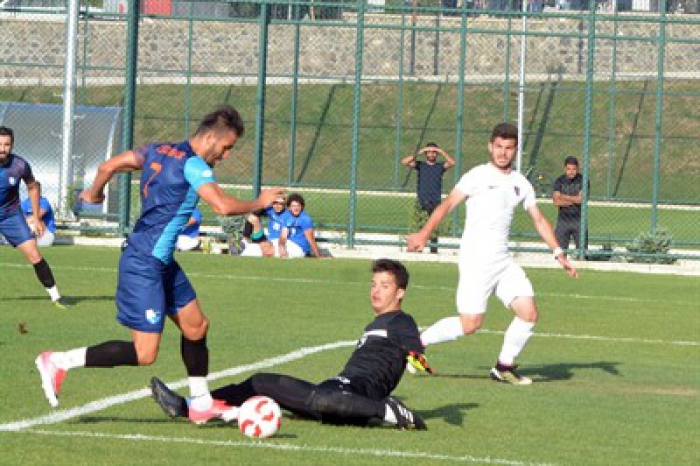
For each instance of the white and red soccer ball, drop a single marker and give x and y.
(259, 417)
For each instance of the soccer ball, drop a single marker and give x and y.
(259, 417)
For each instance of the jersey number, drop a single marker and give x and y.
(155, 166)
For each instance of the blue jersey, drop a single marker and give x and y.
(193, 230)
(45, 205)
(276, 222)
(170, 177)
(11, 173)
(296, 227)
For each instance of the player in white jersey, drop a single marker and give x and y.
(492, 192)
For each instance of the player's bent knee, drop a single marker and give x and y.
(470, 324)
(146, 357)
(331, 402)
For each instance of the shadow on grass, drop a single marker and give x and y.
(69, 300)
(452, 413)
(545, 372)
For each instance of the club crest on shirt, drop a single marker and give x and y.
(517, 190)
(12, 180)
(207, 173)
(153, 316)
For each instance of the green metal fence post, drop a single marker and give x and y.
(661, 55)
(260, 98)
(587, 125)
(357, 107)
(399, 103)
(129, 111)
(188, 84)
(460, 106)
(295, 98)
(611, 119)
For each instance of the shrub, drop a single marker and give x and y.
(652, 247)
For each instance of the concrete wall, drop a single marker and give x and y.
(34, 49)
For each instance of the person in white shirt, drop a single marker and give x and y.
(492, 191)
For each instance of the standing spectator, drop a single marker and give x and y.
(188, 239)
(46, 215)
(298, 238)
(567, 195)
(492, 192)
(430, 173)
(13, 224)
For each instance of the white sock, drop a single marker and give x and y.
(515, 339)
(53, 292)
(199, 392)
(447, 329)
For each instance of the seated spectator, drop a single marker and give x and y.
(298, 238)
(188, 239)
(258, 241)
(46, 215)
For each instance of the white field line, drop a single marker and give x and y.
(272, 445)
(313, 281)
(63, 415)
(600, 338)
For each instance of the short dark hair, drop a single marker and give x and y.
(571, 160)
(504, 131)
(296, 197)
(5, 131)
(431, 144)
(395, 268)
(223, 118)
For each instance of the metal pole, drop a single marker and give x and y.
(295, 99)
(260, 99)
(521, 88)
(400, 98)
(611, 117)
(69, 88)
(590, 67)
(129, 110)
(188, 85)
(460, 106)
(357, 107)
(658, 118)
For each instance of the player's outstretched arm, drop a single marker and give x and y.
(225, 204)
(544, 228)
(417, 241)
(123, 163)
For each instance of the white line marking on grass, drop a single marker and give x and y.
(63, 415)
(599, 338)
(272, 445)
(314, 281)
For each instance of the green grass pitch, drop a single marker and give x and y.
(614, 360)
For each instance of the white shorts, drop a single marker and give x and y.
(254, 250)
(46, 239)
(186, 243)
(476, 283)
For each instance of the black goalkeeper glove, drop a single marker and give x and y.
(419, 362)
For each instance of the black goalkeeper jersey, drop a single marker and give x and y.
(379, 360)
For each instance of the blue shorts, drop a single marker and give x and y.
(15, 229)
(149, 290)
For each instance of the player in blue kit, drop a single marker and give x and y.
(259, 243)
(298, 238)
(151, 284)
(13, 224)
(47, 216)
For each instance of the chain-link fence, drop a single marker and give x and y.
(337, 93)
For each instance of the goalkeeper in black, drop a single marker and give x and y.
(362, 391)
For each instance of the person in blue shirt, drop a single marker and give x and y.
(260, 242)
(298, 238)
(151, 285)
(46, 215)
(188, 239)
(13, 225)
